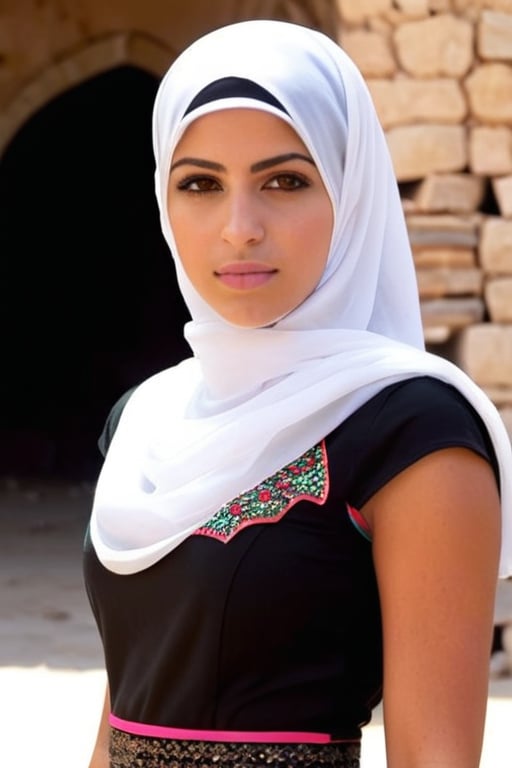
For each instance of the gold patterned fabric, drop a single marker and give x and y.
(128, 751)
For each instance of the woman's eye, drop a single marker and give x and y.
(287, 182)
(198, 184)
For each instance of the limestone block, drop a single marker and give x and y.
(418, 150)
(498, 299)
(461, 5)
(453, 258)
(506, 415)
(484, 351)
(496, 246)
(437, 46)
(453, 313)
(435, 283)
(489, 88)
(457, 192)
(490, 150)
(502, 188)
(380, 25)
(397, 17)
(371, 52)
(502, 398)
(443, 231)
(494, 35)
(475, 7)
(436, 334)
(439, 6)
(405, 100)
(413, 8)
(499, 5)
(357, 11)
(147, 54)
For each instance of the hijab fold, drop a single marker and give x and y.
(249, 401)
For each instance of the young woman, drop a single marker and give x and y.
(304, 514)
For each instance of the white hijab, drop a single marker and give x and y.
(249, 401)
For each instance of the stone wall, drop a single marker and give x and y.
(440, 73)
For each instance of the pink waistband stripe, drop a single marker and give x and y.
(191, 734)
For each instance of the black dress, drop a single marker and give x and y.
(257, 641)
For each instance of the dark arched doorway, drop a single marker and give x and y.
(89, 304)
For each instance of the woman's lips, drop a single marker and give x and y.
(245, 275)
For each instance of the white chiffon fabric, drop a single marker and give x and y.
(248, 401)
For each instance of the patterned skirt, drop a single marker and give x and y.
(129, 751)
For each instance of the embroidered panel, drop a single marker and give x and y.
(127, 751)
(306, 478)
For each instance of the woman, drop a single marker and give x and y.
(306, 512)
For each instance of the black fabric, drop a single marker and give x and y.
(279, 628)
(233, 87)
(403, 423)
(112, 421)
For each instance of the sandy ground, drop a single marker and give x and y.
(51, 672)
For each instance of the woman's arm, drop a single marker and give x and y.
(100, 755)
(436, 533)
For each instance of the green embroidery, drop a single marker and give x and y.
(305, 478)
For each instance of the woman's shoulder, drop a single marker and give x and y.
(404, 422)
(436, 404)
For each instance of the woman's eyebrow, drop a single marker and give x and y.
(209, 164)
(261, 165)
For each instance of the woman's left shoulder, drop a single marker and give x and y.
(432, 404)
(402, 424)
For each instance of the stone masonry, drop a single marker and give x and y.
(440, 73)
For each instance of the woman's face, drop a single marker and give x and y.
(250, 214)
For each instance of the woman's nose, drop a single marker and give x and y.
(243, 223)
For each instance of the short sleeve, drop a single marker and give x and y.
(406, 422)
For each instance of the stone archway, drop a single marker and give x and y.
(89, 61)
(91, 306)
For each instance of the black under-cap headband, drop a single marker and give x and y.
(233, 87)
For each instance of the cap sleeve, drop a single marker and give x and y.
(406, 422)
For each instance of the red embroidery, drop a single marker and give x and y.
(307, 478)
